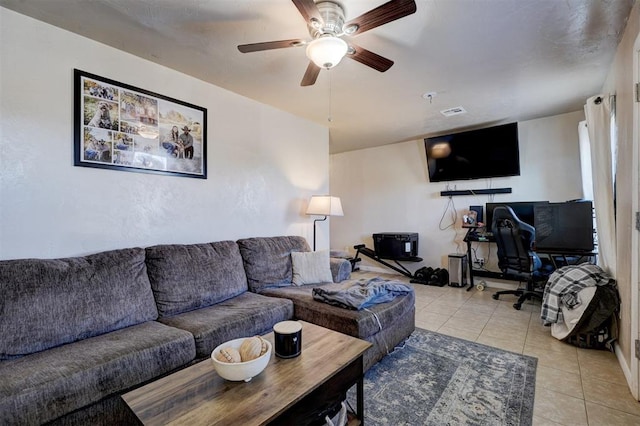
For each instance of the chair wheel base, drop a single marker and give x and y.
(517, 306)
(495, 296)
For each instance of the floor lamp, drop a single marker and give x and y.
(323, 205)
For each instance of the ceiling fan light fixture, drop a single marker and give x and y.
(350, 29)
(327, 51)
(315, 23)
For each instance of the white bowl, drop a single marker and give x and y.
(239, 371)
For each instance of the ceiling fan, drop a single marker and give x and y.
(327, 26)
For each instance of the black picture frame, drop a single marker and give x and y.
(121, 127)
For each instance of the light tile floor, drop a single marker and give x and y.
(573, 386)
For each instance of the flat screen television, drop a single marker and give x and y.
(524, 210)
(564, 226)
(476, 154)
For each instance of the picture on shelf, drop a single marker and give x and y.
(470, 219)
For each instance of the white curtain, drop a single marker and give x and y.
(600, 114)
(585, 161)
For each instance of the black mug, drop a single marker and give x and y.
(287, 336)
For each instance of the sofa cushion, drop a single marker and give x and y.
(311, 267)
(188, 277)
(245, 315)
(267, 260)
(361, 324)
(40, 387)
(49, 302)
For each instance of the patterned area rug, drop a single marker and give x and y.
(433, 379)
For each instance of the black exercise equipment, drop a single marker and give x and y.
(421, 277)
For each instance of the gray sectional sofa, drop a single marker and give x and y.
(79, 332)
(384, 325)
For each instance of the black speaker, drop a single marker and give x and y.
(479, 213)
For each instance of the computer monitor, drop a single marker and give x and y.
(564, 226)
(523, 209)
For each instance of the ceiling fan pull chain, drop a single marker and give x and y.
(330, 118)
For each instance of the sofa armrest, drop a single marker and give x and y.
(340, 269)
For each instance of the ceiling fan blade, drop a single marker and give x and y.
(308, 10)
(310, 75)
(370, 59)
(268, 45)
(390, 11)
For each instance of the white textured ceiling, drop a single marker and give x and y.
(502, 60)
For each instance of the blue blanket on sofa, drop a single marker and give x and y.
(363, 294)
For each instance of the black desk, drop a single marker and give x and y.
(475, 236)
(569, 257)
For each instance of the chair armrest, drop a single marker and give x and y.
(340, 269)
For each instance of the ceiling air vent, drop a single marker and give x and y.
(450, 112)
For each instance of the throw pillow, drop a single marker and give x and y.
(311, 267)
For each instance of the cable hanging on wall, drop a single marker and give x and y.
(453, 215)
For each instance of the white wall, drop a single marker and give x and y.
(263, 164)
(620, 81)
(387, 189)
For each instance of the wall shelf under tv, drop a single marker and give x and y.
(476, 192)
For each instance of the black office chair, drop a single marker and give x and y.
(515, 257)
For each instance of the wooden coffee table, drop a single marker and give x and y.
(288, 391)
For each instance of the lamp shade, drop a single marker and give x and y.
(327, 51)
(325, 205)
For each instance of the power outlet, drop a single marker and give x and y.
(480, 261)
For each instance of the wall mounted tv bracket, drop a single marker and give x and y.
(362, 249)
